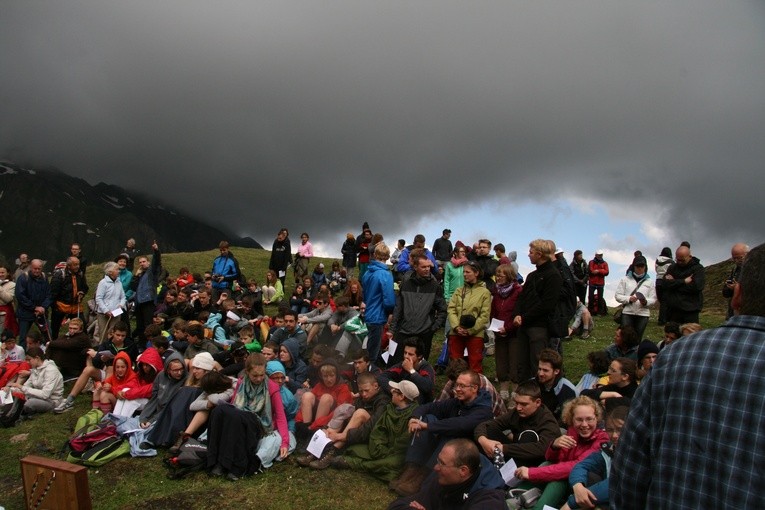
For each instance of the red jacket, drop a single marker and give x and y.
(340, 393)
(141, 387)
(598, 272)
(126, 381)
(504, 308)
(564, 459)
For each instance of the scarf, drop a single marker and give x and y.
(457, 262)
(255, 399)
(505, 290)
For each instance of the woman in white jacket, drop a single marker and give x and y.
(44, 389)
(637, 293)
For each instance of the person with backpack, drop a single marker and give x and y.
(44, 389)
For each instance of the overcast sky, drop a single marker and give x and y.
(611, 124)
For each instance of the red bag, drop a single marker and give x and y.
(84, 441)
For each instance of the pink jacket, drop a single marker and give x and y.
(564, 459)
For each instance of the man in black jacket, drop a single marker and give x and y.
(535, 306)
(420, 307)
(68, 286)
(442, 248)
(683, 287)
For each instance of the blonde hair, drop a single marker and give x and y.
(568, 409)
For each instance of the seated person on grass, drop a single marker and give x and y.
(278, 374)
(524, 433)
(319, 354)
(195, 336)
(384, 453)
(291, 329)
(216, 388)
(297, 371)
(622, 382)
(625, 344)
(582, 438)
(435, 423)
(315, 320)
(413, 368)
(44, 388)
(98, 365)
(351, 423)
(587, 494)
(361, 365)
(455, 368)
(246, 335)
(122, 377)
(597, 375)
(335, 335)
(164, 388)
(556, 389)
(270, 351)
(316, 405)
(462, 479)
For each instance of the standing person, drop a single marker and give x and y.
(469, 311)
(110, 297)
(302, 258)
(598, 270)
(144, 284)
(131, 252)
(395, 257)
(362, 249)
(487, 263)
(281, 255)
(442, 248)
(737, 254)
(420, 307)
(453, 280)
(68, 286)
(22, 265)
(663, 261)
(684, 286)
(404, 262)
(7, 295)
(225, 268)
(636, 292)
(535, 306)
(348, 250)
(380, 299)
(76, 251)
(580, 270)
(33, 296)
(504, 297)
(677, 449)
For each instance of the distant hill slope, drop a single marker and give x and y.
(46, 210)
(716, 274)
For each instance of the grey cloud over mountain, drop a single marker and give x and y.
(317, 114)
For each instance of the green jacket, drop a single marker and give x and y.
(385, 452)
(472, 300)
(453, 279)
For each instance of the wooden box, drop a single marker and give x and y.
(54, 484)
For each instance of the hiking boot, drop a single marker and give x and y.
(64, 406)
(585, 335)
(231, 477)
(217, 470)
(409, 468)
(339, 462)
(323, 463)
(305, 460)
(412, 484)
(182, 437)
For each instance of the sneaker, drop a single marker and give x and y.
(217, 470)
(89, 387)
(231, 477)
(64, 406)
(585, 335)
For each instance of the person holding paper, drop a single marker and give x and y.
(110, 299)
(532, 429)
(44, 388)
(504, 296)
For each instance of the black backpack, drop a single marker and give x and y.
(10, 413)
(566, 306)
(191, 457)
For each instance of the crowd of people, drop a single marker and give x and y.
(345, 359)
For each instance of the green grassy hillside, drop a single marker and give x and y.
(141, 484)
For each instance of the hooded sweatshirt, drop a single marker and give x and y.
(298, 371)
(141, 388)
(126, 381)
(163, 390)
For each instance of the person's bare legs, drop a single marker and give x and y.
(307, 402)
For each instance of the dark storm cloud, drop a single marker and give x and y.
(320, 115)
